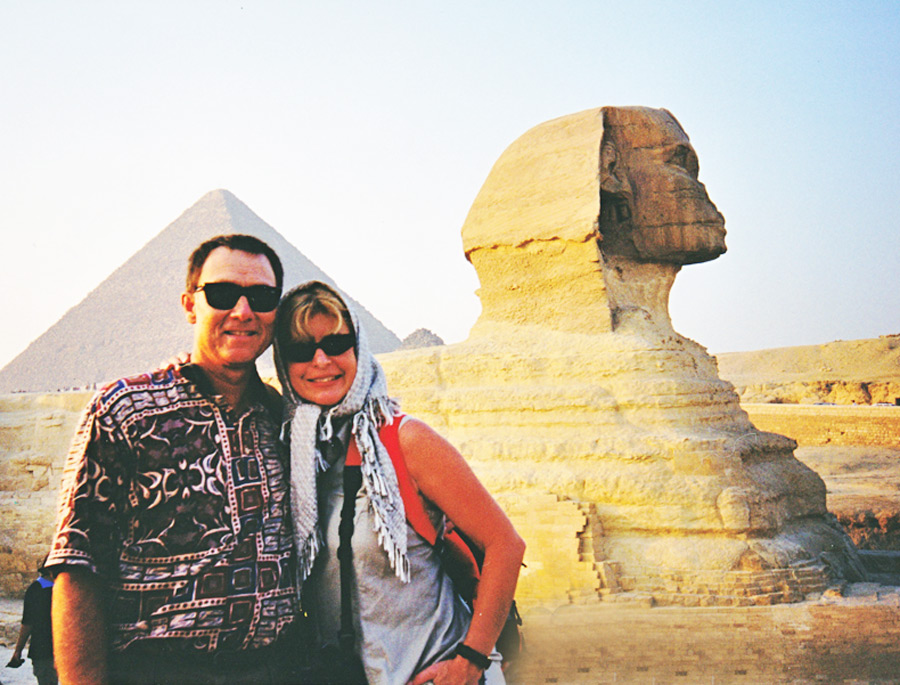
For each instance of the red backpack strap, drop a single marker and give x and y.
(412, 503)
(456, 554)
(459, 562)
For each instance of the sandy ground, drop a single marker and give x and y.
(850, 639)
(853, 638)
(15, 676)
(856, 478)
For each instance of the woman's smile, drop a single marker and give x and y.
(324, 380)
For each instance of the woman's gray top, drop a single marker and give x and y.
(401, 628)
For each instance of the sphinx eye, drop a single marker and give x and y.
(684, 156)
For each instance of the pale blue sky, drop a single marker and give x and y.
(362, 132)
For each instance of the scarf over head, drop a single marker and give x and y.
(368, 407)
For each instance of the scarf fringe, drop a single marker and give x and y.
(394, 553)
(306, 555)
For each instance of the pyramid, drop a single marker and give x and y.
(133, 320)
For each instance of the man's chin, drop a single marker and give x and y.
(239, 364)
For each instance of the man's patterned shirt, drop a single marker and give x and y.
(182, 507)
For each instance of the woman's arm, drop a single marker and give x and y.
(443, 476)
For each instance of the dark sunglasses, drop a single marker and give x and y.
(225, 295)
(332, 345)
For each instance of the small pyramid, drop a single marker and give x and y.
(133, 320)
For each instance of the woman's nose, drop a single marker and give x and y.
(320, 357)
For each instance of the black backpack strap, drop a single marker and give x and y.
(352, 484)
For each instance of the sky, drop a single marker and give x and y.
(362, 132)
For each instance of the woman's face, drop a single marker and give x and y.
(324, 380)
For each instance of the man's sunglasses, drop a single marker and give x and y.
(331, 345)
(225, 295)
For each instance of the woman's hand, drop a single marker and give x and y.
(456, 671)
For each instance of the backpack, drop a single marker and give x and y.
(460, 557)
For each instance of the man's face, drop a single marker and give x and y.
(670, 216)
(235, 337)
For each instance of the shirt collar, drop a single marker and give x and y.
(260, 395)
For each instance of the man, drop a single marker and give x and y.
(36, 625)
(173, 544)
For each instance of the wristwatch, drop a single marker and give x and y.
(472, 655)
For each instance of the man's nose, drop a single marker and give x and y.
(242, 308)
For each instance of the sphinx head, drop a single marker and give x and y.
(653, 208)
(585, 220)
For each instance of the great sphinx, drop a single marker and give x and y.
(622, 457)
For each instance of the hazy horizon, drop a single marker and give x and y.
(362, 133)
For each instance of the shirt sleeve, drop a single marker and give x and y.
(93, 497)
(29, 608)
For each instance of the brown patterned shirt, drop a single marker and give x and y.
(181, 505)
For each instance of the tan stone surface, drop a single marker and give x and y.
(35, 431)
(830, 425)
(603, 432)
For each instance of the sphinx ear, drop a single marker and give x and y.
(188, 303)
(612, 178)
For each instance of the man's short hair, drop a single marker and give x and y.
(233, 241)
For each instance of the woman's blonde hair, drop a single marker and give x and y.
(307, 303)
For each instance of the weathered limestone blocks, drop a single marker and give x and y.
(35, 431)
(610, 438)
(835, 426)
(668, 476)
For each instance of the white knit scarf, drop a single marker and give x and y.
(368, 404)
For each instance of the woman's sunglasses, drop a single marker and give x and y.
(225, 295)
(331, 345)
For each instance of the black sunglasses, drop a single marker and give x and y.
(225, 295)
(332, 345)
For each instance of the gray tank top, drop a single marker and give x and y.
(401, 628)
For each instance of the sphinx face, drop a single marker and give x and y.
(653, 207)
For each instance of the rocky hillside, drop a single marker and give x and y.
(841, 372)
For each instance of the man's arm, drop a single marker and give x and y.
(24, 633)
(79, 628)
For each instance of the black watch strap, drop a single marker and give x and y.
(476, 657)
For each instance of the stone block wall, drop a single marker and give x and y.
(829, 425)
(735, 588)
(35, 431)
(556, 528)
(565, 557)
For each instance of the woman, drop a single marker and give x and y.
(408, 619)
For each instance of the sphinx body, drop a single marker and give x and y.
(623, 459)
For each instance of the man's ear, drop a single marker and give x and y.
(188, 303)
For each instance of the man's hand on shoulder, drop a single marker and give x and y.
(179, 359)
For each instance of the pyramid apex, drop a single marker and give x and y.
(152, 327)
(217, 195)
